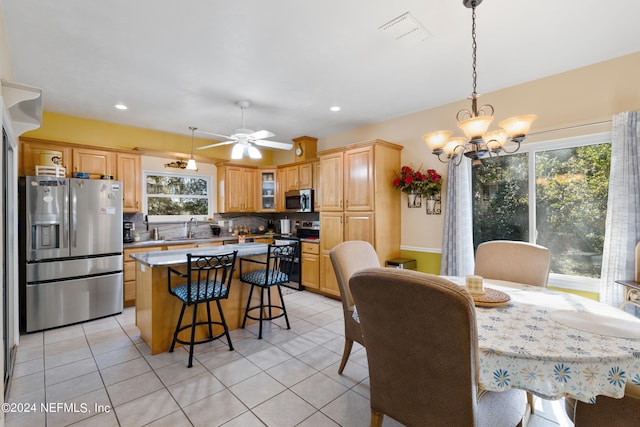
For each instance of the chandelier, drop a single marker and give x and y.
(478, 144)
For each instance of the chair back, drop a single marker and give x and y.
(279, 265)
(347, 258)
(421, 339)
(209, 276)
(512, 261)
(281, 259)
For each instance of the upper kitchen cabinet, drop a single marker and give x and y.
(94, 162)
(331, 181)
(42, 153)
(298, 176)
(268, 190)
(237, 189)
(129, 172)
(316, 186)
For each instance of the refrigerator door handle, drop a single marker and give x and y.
(74, 216)
(65, 220)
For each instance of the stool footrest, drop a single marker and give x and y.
(266, 307)
(205, 340)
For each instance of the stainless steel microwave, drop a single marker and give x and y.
(299, 200)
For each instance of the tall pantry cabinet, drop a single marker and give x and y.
(358, 202)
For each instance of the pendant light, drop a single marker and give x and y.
(191, 164)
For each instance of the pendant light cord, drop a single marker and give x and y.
(474, 45)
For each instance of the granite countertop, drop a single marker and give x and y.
(184, 241)
(179, 256)
(179, 241)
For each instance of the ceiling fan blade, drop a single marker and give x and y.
(261, 134)
(217, 144)
(215, 134)
(274, 144)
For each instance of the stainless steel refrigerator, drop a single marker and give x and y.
(70, 250)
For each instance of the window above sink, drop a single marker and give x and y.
(170, 197)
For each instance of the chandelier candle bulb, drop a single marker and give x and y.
(475, 285)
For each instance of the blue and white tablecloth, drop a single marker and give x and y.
(521, 346)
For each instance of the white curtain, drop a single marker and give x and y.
(623, 209)
(457, 239)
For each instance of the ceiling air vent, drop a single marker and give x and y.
(406, 29)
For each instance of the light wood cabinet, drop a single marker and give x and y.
(237, 189)
(310, 265)
(316, 186)
(358, 202)
(267, 196)
(358, 179)
(130, 173)
(129, 285)
(209, 244)
(94, 162)
(332, 181)
(298, 176)
(34, 153)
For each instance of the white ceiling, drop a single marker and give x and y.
(185, 63)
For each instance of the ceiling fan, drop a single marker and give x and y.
(245, 138)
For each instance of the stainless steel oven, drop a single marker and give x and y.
(308, 230)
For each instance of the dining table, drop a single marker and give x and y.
(554, 344)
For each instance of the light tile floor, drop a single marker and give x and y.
(101, 373)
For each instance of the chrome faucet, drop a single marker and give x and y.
(190, 228)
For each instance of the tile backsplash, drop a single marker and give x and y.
(230, 221)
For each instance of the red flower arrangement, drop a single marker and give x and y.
(415, 181)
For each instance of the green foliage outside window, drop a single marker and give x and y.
(571, 190)
(177, 195)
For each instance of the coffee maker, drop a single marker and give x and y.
(128, 228)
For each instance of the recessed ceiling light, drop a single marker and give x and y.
(335, 108)
(121, 106)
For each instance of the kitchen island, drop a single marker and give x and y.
(157, 310)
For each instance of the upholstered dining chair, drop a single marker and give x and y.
(513, 261)
(422, 348)
(607, 411)
(347, 258)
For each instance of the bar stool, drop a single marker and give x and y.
(276, 271)
(208, 279)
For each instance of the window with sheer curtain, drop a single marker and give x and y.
(553, 194)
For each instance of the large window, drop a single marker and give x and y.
(553, 194)
(173, 197)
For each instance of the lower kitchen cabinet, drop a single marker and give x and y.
(129, 286)
(206, 245)
(310, 265)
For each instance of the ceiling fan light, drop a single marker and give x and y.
(237, 151)
(475, 127)
(254, 153)
(518, 126)
(191, 164)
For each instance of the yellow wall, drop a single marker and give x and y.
(60, 127)
(585, 95)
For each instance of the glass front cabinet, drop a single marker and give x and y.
(268, 190)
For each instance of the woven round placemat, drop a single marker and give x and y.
(491, 298)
